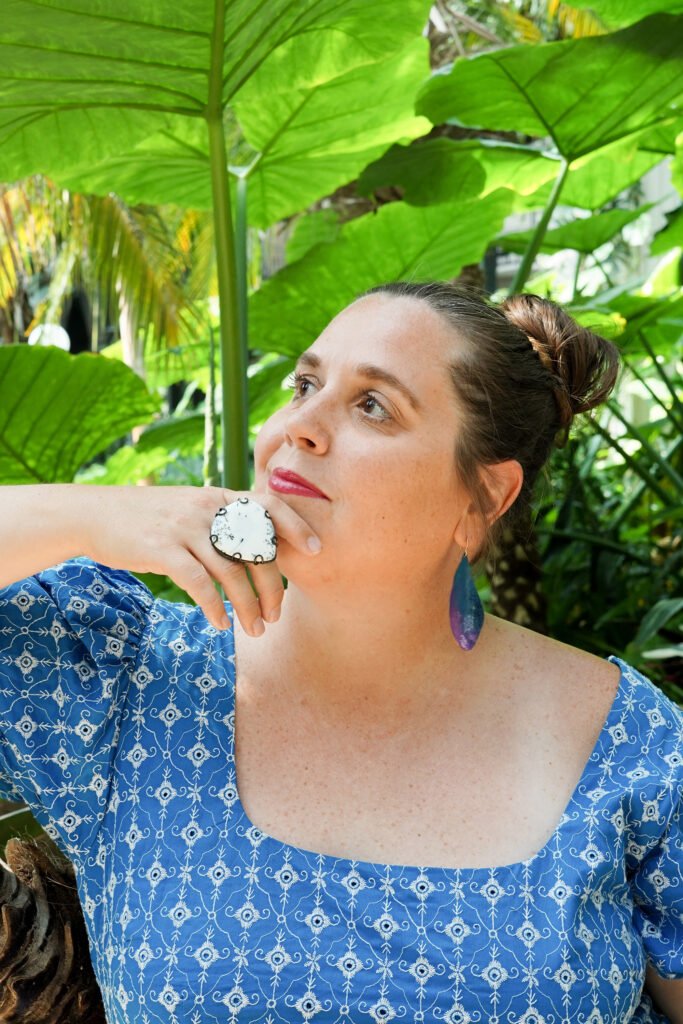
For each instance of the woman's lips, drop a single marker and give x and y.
(289, 483)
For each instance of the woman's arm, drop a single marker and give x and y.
(41, 525)
(163, 530)
(666, 994)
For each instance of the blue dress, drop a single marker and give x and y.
(116, 728)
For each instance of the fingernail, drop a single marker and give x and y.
(314, 545)
(273, 616)
(258, 628)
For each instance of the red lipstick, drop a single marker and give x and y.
(288, 482)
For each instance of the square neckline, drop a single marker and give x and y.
(371, 867)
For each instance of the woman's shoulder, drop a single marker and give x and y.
(545, 667)
(584, 692)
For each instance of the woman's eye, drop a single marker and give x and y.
(371, 398)
(296, 382)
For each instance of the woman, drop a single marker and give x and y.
(363, 811)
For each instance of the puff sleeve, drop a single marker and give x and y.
(657, 889)
(69, 642)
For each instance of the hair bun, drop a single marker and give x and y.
(582, 364)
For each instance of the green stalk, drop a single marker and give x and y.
(637, 468)
(601, 268)
(655, 398)
(659, 370)
(577, 271)
(637, 435)
(211, 476)
(233, 351)
(536, 239)
(640, 490)
(241, 255)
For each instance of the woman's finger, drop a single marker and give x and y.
(193, 577)
(233, 577)
(268, 583)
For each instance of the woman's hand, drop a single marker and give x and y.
(166, 530)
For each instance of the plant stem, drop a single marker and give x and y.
(638, 435)
(659, 370)
(577, 271)
(628, 506)
(241, 256)
(678, 425)
(536, 239)
(211, 477)
(233, 351)
(601, 267)
(633, 463)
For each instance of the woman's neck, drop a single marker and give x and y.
(375, 658)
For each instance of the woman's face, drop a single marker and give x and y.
(385, 463)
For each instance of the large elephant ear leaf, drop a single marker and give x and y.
(628, 81)
(399, 242)
(312, 140)
(82, 82)
(58, 411)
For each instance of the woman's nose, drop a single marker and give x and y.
(305, 427)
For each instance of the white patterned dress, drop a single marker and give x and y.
(116, 728)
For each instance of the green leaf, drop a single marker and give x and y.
(310, 230)
(314, 112)
(583, 93)
(266, 391)
(662, 653)
(167, 166)
(602, 322)
(616, 13)
(677, 166)
(441, 170)
(58, 411)
(84, 81)
(583, 234)
(189, 362)
(312, 140)
(657, 617)
(182, 434)
(669, 237)
(397, 242)
(437, 170)
(598, 177)
(124, 467)
(304, 142)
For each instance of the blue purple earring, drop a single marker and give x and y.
(465, 607)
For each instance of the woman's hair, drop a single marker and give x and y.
(46, 974)
(521, 373)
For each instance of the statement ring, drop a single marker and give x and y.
(243, 531)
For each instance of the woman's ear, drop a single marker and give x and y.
(503, 482)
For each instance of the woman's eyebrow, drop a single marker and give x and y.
(369, 371)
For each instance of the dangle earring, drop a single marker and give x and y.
(466, 610)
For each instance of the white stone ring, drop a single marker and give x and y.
(243, 532)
